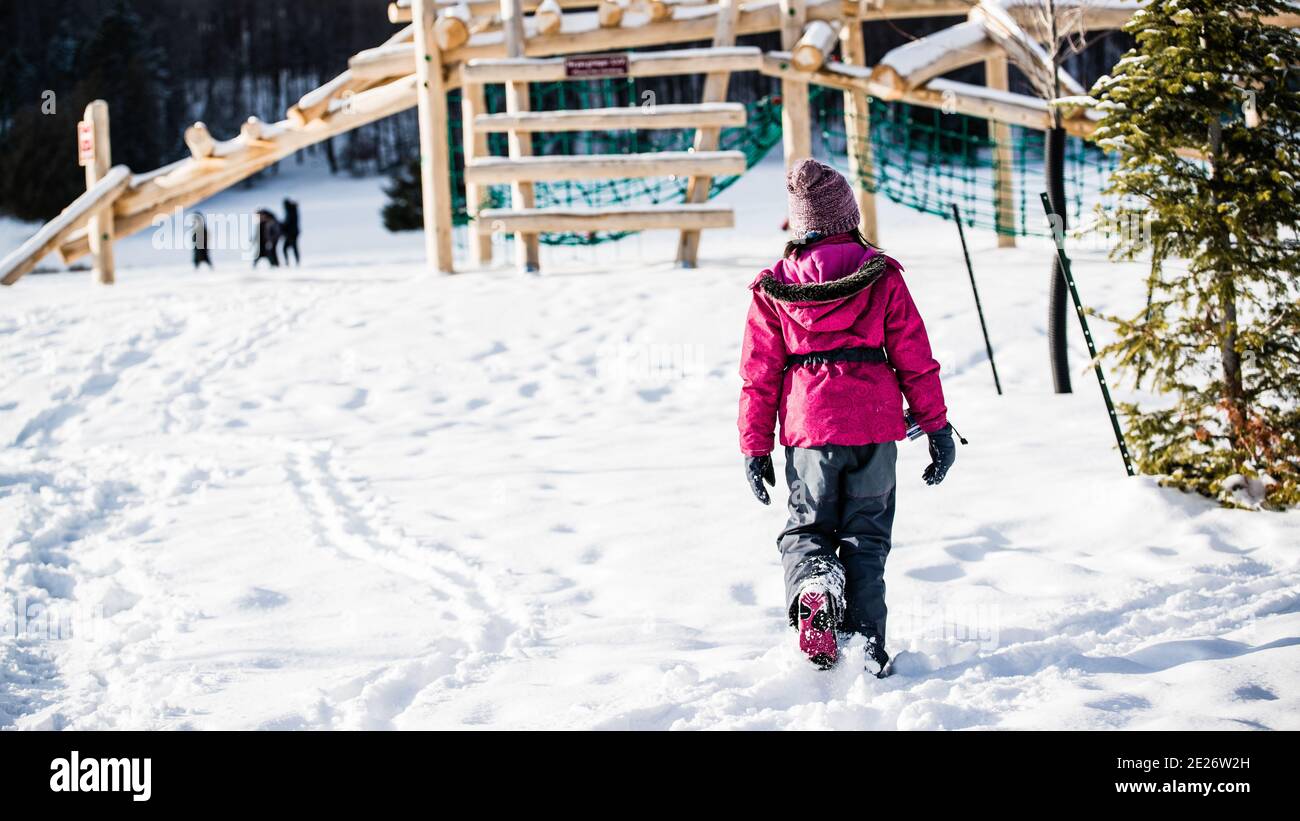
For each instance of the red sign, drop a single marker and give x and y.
(595, 65)
(85, 143)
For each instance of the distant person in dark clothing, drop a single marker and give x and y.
(290, 229)
(268, 237)
(199, 238)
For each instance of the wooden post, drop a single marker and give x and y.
(520, 142)
(99, 230)
(706, 139)
(996, 78)
(857, 128)
(796, 121)
(475, 144)
(435, 173)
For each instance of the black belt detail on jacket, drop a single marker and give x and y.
(862, 354)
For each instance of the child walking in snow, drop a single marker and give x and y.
(833, 345)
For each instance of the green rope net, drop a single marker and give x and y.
(926, 159)
(920, 157)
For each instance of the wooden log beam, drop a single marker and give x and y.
(377, 64)
(815, 46)
(199, 141)
(913, 64)
(452, 28)
(549, 17)
(959, 98)
(23, 259)
(584, 220)
(648, 64)
(550, 168)
(400, 11)
(317, 101)
(609, 14)
(583, 35)
(657, 10)
(188, 181)
(869, 10)
(832, 75)
(252, 130)
(279, 140)
(622, 118)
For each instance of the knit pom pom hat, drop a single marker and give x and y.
(820, 200)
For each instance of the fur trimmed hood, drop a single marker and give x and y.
(803, 292)
(826, 285)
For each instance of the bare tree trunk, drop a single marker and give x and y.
(1057, 294)
(1054, 172)
(1234, 391)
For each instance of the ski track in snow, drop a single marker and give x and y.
(357, 497)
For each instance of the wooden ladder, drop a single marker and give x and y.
(521, 169)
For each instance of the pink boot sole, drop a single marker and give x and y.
(817, 630)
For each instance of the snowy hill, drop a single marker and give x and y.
(353, 495)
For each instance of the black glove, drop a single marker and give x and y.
(943, 452)
(758, 469)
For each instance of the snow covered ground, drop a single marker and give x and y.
(353, 495)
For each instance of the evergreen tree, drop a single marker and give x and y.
(120, 65)
(38, 170)
(404, 210)
(1221, 340)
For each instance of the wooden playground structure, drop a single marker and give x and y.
(469, 44)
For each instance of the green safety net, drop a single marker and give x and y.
(927, 160)
(761, 131)
(920, 157)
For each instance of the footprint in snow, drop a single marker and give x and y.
(1254, 692)
(261, 598)
(743, 594)
(937, 573)
(358, 400)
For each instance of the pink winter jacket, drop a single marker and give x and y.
(835, 294)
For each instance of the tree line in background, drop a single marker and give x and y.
(162, 65)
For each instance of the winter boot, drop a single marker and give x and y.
(877, 661)
(817, 620)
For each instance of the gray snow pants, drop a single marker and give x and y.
(841, 517)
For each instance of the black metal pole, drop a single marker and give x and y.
(1059, 241)
(988, 346)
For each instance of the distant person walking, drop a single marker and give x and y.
(199, 240)
(268, 237)
(290, 229)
